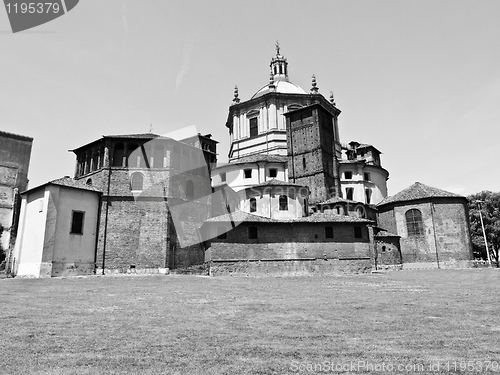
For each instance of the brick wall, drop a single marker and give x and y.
(289, 241)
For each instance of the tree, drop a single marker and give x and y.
(488, 204)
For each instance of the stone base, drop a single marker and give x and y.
(290, 267)
(133, 271)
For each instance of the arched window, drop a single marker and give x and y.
(414, 222)
(137, 182)
(189, 189)
(283, 203)
(89, 182)
(253, 204)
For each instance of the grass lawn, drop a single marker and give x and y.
(238, 325)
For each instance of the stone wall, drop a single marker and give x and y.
(331, 267)
(446, 234)
(289, 241)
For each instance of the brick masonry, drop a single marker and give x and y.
(445, 230)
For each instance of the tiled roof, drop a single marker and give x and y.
(260, 157)
(384, 233)
(418, 191)
(337, 200)
(240, 216)
(69, 182)
(141, 136)
(275, 182)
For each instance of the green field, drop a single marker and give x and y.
(397, 321)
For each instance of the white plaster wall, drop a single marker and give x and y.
(31, 233)
(74, 250)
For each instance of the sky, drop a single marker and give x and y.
(419, 80)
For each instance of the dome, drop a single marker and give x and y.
(283, 87)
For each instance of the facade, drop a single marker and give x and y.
(57, 230)
(361, 174)
(156, 193)
(15, 152)
(319, 243)
(433, 225)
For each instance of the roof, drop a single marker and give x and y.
(67, 182)
(140, 136)
(16, 136)
(418, 191)
(260, 157)
(275, 182)
(283, 87)
(384, 233)
(337, 200)
(241, 216)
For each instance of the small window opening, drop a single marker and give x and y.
(254, 127)
(222, 177)
(349, 193)
(273, 172)
(77, 222)
(368, 194)
(283, 203)
(252, 233)
(253, 204)
(304, 162)
(348, 175)
(366, 176)
(328, 232)
(248, 173)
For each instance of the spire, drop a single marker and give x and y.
(279, 66)
(331, 98)
(236, 100)
(314, 89)
(271, 85)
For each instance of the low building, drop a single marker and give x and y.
(433, 225)
(320, 243)
(15, 152)
(58, 230)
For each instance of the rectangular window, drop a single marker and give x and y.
(283, 203)
(222, 234)
(357, 232)
(252, 233)
(254, 127)
(348, 175)
(253, 205)
(247, 173)
(328, 232)
(273, 172)
(368, 195)
(77, 222)
(222, 177)
(349, 193)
